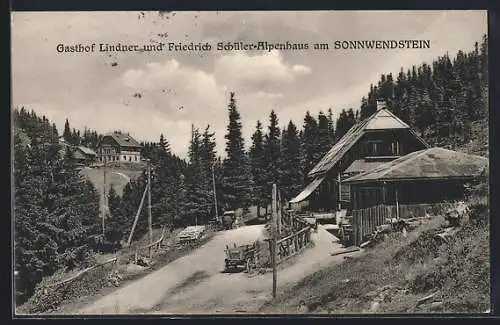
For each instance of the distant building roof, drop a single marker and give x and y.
(432, 163)
(382, 119)
(124, 140)
(87, 151)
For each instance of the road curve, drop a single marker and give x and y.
(194, 283)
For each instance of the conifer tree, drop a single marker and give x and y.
(324, 134)
(67, 135)
(236, 182)
(272, 153)
(164, 145)
(291, 163)
(309, 139)
(258, 168)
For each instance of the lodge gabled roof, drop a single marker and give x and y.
(431, 163)
(382, 119)
(124, 140)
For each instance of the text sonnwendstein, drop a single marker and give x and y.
(380, 44)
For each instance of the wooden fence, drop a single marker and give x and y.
(286, 247)
(293, 244)
(365, 221)
(151, 248)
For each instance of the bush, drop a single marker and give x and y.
(479, 214)
(48, 298)
(424, 246)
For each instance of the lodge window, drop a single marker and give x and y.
(373, 148)
(395, 148)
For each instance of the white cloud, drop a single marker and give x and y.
(257, 72)
(175, 88)
(262, 94)
(301, 69)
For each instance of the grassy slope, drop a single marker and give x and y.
(393, 276)
(113, 177)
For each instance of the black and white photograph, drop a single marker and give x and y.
(250, 163)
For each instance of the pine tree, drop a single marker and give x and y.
(258, 168)
(208, 160)
(67, 135)
(272, 154)
(291, 163)
(115, 232)
(164, 145)
(331, 126)
(309, 139)
(325, 140)
(236, 182)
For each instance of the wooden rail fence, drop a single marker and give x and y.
(79, 274)
(293, 244)
(151, 247)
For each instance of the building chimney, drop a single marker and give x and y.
(380, 105)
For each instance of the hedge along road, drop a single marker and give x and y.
(195, 284)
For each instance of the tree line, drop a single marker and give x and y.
(56, 210)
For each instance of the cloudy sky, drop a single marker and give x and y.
(183, 88)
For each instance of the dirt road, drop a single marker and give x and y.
(194, 284)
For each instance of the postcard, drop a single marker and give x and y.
(250, 162)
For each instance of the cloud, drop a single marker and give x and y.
(180, 88)
(262, 94)
(175, 88)
(259, 72)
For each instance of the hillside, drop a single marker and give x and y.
(117, 175)
(396, 275)
(478, 145)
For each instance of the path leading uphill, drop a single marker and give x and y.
(194, 283)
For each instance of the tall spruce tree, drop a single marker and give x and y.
(258, 168)
(236, 182)
(291, 163)
(272, 154)
(331, 126)
(67, 135)
(325, 140)
(309, 139)
(164, 145)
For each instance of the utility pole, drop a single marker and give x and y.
(137, 216)
(150, 220)
(104, 203)
(339, 192)
(273, 239)
(215, 194)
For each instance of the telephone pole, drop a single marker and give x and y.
(104, 203)
(215, 194)
(273, 239)
(150, 220)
